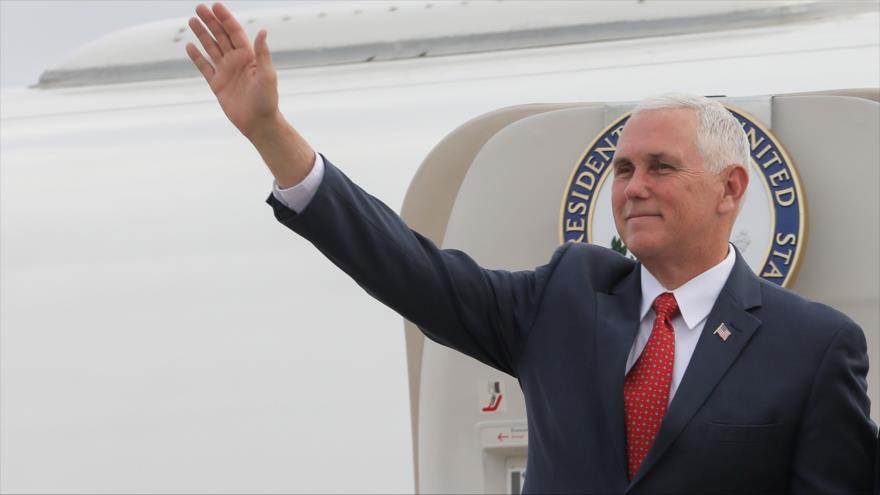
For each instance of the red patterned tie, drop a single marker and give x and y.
(646, 387)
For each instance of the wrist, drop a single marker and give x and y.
(288, 156)
(267, 130)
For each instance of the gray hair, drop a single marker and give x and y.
(720, 137)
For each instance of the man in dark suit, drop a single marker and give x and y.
(683, 373)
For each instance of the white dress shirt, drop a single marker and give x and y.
(298, 196)
(695, 298)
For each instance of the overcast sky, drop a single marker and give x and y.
(38, 34)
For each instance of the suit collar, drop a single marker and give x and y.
(743, 285)
(711, 359)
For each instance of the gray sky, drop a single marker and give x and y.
(38, 34)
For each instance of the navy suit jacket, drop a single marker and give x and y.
(780, 406)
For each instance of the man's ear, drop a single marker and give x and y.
(735, 179)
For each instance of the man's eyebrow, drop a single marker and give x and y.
(664, 157)
(620, 160)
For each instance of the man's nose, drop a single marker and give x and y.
(637, 185)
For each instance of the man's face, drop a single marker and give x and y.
(665, 202)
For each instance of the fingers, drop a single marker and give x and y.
(261, 50)
(225, 35)
(203, 65)
(233, 29)
(207, 40)
(215, 27)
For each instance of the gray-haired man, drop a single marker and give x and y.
(626, 388)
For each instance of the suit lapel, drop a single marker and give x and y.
(712, 357)
(616, 328)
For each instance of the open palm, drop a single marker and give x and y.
(243, 78)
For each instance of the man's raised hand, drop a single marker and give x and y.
(246, 85)
(243, 78)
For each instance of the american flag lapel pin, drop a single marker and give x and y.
(723, 332)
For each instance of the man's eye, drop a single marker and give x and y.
(622, 170)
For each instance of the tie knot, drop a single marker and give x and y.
(665, 306)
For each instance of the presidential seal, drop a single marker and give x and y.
(770, 231)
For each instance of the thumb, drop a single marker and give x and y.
(261, 50)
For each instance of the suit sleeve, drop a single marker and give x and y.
(483, 313)
(835, 448)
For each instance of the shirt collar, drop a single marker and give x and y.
(696, 297)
